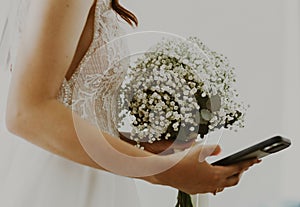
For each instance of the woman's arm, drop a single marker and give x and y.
(47, 48)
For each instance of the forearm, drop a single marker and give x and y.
(51, 126)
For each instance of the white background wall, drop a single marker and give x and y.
(261, 38)
(291, 110)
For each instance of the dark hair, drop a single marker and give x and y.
(128, 16)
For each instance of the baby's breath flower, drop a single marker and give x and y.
(175, 85)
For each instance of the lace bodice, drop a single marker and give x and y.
(93, 88)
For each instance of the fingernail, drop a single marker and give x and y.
(258, 161)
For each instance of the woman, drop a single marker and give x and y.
(61, 56)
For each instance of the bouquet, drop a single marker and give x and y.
(179, 90)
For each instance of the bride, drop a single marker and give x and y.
(64, 59)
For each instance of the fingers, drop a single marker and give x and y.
(229, 182)
(230, 175)
(218, 190)
(208, 150)
(239, 167)
(233, 180)
(217, 150)
(238, 170)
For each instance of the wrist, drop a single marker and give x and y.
(166, 175)
(163, 165)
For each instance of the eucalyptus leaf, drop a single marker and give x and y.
(206, 114)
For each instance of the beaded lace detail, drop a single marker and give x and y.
(92, 91)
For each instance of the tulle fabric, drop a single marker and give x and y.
(32, 177)
(12, 19)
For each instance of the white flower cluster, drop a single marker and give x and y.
(180, 89)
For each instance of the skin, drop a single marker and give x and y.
(56, 37)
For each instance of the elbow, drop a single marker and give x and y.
(12, 121)
(15, 120)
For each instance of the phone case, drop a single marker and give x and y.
(259, 150)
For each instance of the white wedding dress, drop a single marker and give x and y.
(32, 177)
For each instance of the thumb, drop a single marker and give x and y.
(208, 150)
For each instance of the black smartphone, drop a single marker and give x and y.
(262, 149)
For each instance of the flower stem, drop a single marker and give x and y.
(184, 200)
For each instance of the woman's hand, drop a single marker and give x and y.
(192, 174)
(162, 147)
